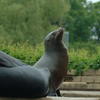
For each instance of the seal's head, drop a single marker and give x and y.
(53, 41)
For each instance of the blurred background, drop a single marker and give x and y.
(25, 23)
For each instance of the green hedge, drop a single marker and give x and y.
(84, 56)
(27, 53)
(80, 59)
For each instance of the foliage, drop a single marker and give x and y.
(24, 22)
(81, 57)
(29, 20)
(81, 19)
(96, 14)
(84, 56)
(27, 53)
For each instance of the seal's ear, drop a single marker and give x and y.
(59, 34)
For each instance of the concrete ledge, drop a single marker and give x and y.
(90, 79)
(73, 85)
(53, 98)
(79, 86)
(98, 72)
(80, 93)
(89, 72)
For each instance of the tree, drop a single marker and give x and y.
(79, 20)
(97, 19)
(29, 20)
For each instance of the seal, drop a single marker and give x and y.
(55, 59)
(9, 61)
(41, 79)
(23, 82)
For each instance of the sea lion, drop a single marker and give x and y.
(9, 61)
(24, 82)
(41, 79)
(55, 59)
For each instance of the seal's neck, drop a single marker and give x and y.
(55, 48)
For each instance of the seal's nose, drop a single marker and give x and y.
(59, 33)
(55, 35)
(61, 30)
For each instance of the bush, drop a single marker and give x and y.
(27, 53)
(84, 56)
(80, 59)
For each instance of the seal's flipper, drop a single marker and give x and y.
(58, 92)
(54, 93)
(9, 61)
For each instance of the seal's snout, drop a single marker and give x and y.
(60, 30)
(55, 35)
(59, 34)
